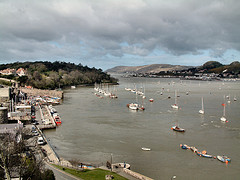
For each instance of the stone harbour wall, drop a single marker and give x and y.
(136, 175)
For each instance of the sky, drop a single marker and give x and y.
(108, 33)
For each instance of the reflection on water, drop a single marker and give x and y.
(93, 128)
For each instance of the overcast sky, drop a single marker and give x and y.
(107, 33)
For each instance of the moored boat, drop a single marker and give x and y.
(178, 129)
(223, 118)
(141, 108)
(175, 105)
(57, 119)
(204, 154)
(133, 106)
(201, 111)
(224, 159)
(184, 146)
(194, 149)
(146, 149)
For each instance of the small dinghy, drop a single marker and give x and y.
(223, 159)
(151, 100)
(146, 149)
(184, 146)
(204, 154)
(178, 129)
(194, 149)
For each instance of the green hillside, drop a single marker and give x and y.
(48, 75)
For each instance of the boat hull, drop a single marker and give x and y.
(178, 129)
(204, 155)
(223, 159)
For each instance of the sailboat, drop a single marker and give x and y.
(223, 118)
(234, 99)
(201, 111)
(142, 107)
(134, 106)
(175, 106)
(177, 128)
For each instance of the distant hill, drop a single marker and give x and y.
(216, 67)
(153, 68)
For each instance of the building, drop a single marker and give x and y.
(8, 71)
(21, 72)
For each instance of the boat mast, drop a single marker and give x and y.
(175, 97)
(224, 110)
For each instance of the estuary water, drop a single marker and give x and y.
(93, 128)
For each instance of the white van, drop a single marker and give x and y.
(41, 141)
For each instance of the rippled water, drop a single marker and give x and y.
(93, 128)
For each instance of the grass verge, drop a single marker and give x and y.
(90, 174)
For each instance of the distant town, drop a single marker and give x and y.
(211, 70)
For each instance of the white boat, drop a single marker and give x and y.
(133, 106)
(201, 111)
(106, 93)
(128, 89)
(234, 99)
(178, 129)
(175, 106)
(151, 99)
(73, 87)
(146, 149)
(224, 159)
(223, 118)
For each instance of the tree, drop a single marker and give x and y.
(16, 160)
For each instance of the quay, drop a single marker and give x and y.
(45, 114)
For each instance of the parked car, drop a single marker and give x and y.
(41, 141)
(35, 123)
(35, 133)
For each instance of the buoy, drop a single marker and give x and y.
(172, 128)
(180, 145)
(226, 161)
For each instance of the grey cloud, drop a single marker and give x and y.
(177, 27)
